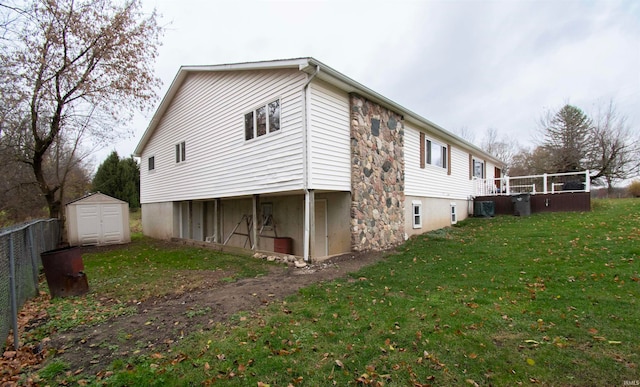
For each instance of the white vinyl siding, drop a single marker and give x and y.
(434, 181)
(208, 113)
(329, 139)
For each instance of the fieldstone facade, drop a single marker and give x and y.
(377, 176)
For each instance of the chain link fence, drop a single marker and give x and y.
(20, 248)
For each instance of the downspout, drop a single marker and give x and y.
(306, 164)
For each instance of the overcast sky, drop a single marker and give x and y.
(460, 64)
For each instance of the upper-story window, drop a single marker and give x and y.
(181, 149)
(151, 161)
(436, 154)
(264, 119)
(478, 168)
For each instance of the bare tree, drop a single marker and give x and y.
(531, 161)
(74, 72)
(614, 154)
(466, 134)
(504, 148)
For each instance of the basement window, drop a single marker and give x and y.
(417, 214)
(454, 215)
(263, 120)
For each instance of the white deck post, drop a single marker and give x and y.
(544, 183)
(587, 181)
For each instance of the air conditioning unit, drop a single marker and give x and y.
(484, 209)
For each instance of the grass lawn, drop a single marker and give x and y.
(120, 277)
(550, 299)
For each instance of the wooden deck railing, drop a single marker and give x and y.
(534, 184)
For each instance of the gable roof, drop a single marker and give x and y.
(95, 197)
(323, 72)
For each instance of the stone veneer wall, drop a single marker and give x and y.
(377, 176)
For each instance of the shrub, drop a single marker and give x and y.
(634, 188)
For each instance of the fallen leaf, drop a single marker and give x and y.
(339, 363)
(531, 362)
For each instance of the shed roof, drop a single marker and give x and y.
(96, 197)
(310, 66)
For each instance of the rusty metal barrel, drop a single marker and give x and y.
(64, 271)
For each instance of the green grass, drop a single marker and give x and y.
(549, 299)
(122, 276)
(146, 268)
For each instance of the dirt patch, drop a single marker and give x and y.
(161, 322)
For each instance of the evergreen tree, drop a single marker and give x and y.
(567, 139)
(119, 178)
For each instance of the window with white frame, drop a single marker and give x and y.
(454, 215)
(478, 168)
(181, 152)
(264, 119)
(151, 162)
(436, 154)
(417, 214)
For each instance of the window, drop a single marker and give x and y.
(417, 214)
(436, 154)
(267, 215)
(181, 152)
(265, 119)
(454, 216)
(151, 161)
(261, 119)
(274, 116)
(478, 169)
(248, 126)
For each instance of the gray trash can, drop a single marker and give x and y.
(521, 204)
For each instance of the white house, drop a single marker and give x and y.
(322, 162)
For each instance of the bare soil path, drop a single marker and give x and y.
(161, 322)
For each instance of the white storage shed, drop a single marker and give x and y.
(97, 219)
